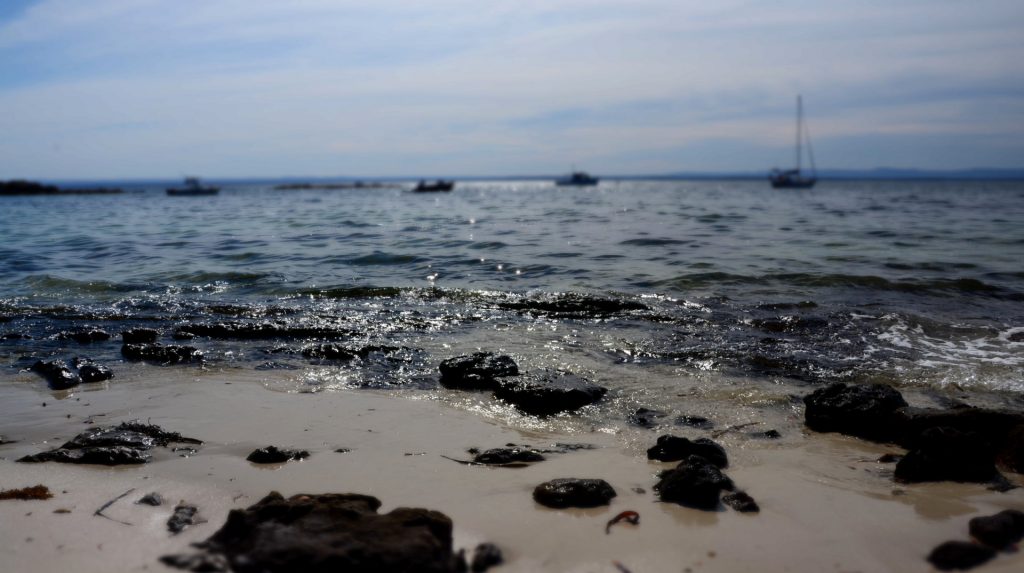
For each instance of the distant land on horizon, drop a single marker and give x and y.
(875, 174)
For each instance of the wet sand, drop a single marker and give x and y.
(826, 504)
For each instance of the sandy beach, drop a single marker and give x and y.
(826, 503)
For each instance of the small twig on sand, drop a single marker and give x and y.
(100, 513)
(724, 431)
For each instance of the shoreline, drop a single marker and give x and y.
(826, 504)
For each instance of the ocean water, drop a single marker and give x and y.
(723, 291)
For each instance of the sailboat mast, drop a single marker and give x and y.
(799, 129)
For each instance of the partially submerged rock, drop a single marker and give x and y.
(327, 533)
(695, 483)
(329, 352)
(485, 556)
(275, 455)
(85, 335)
(645, 417)
(91, 371)
(672, 448)
(140, 336)
(57, 374)
(154, 499)
(574, 492)
(698, 422)
(549, 393)
(261, 331)
(573, 305)
(867, 411)
(477, 371)
(124, 444)
(170, 354)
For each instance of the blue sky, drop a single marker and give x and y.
(238, 88)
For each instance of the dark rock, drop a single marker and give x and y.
(57, 374)
(140, 336)
(1011, 455)
(671, 448)
(573, 492)
(999, 531)
(889, 458)
(765, 435)
(574, 306)
(695, 422)
(948, 454)
(741, 502)
(549, 393)
(85, 336)
(23, 187)
(329, 352)
(183, 516)
(959, 555)
(126, 443)
(274, 455)
(171, 354)
(867, 411)
(104, 456)
(501, 456)
(15, 336)
(197, 562)
(485, 556)
(90, 371)
(992, 425)
(645, 418)
(154, 499)
(695, 483)
(329, 533)
(478, 371)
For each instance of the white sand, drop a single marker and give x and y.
(825, 505)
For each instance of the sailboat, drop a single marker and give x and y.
(793, 178)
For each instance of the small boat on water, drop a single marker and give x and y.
(793, 178)
(193, 187)
(436, 186)
(577, 179)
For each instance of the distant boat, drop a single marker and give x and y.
(193, 187)
(439, 185)
(793, 178)
(577, 179)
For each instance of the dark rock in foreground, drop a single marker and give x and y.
(947, 454)
(58, 375)
(140, 336)
(275, 455)
(695, 483)
(573, 492)
(867, 411)
(478, 371)
(327, 533)
(171, 354)
(1011, 455)
(999, 531)
(671, 449)
(502, 456)
(549, 393)
(125, 444)
(959, 555)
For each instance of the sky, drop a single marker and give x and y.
(109, 89)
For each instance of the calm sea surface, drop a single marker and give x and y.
(919, 284)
